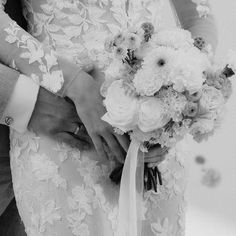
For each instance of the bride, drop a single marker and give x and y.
(63, 191)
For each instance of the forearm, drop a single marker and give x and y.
(189, 18)
(20, 50)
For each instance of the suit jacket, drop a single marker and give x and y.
(8, 78)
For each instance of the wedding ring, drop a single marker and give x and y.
(77, 130)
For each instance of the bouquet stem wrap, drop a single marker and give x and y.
(131, 192)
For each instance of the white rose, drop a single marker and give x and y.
(151, 115)
(211, 99)
(121, 108)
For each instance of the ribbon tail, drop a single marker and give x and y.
(131, 191)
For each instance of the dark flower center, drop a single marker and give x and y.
(161, 62)
(132, 38)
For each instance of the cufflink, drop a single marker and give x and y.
(8, 120)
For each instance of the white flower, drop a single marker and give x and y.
(120, 52)
(113, 71)
(143, 50)
(176, 38)
(133, 41)
(174, 102)
(201, 128)
(203, 10)
(211, 99)
(155, 71)
(188, 70)
(151, 115)
(121, 108)
(119, 39)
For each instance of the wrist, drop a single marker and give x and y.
(80, 88)
(70, 73)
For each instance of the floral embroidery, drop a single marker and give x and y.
(2, 3)
(33, 51)
(44, 170)
(163, 228)
(80, 204)
(202, 7)
(79, 228)
(48, 215)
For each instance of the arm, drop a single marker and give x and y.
(20, 50)
(190, 19)
(38, 110)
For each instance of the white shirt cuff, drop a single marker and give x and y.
(21, 104)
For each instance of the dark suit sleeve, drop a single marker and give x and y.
(6, 191)
(13, 8)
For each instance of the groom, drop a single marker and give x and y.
(48, 116)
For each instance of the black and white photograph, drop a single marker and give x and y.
(117, 118)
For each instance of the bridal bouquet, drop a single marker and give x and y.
(161, 86)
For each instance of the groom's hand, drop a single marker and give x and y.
(57, 118)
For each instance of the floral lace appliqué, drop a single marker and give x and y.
(162, 228)
(48, 215)
(202, 7)
(44, 170)
(34, 53)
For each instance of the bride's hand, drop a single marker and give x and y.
(85, 93)
(156, 154)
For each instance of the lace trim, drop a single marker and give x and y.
(2, 3)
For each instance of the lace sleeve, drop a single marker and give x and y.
(21, 51)
(196, 16)
(2, 3)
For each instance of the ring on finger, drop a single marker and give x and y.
(77, 129)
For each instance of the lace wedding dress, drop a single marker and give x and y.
(61, 191)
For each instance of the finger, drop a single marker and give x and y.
(115, 147)
(97, 141)
(124, 141)
(156, 151)
(78, 131)
(156, 159)
(88, 67)
(71, 141)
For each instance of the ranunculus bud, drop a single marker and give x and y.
(120, 52)
(194, 97)
(133, 41)
(119, 39)
(191, 109)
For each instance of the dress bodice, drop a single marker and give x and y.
(81, 26)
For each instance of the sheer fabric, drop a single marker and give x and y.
(62, 191)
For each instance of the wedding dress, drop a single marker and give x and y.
(59, 190)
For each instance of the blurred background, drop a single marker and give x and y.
(212, 183)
